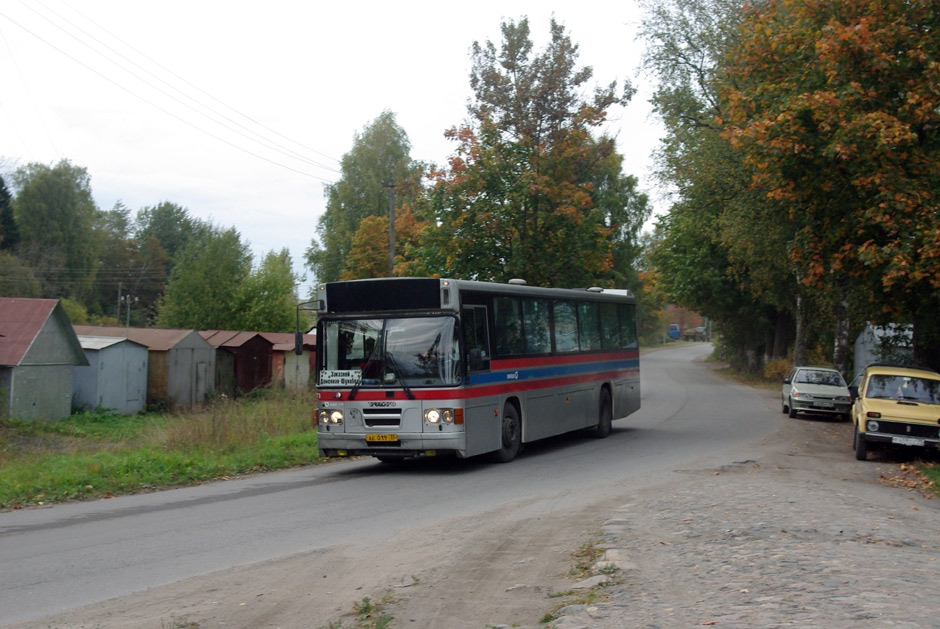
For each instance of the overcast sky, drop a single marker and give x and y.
(240, 111)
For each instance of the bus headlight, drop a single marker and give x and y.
(331, 417)
(439, 415)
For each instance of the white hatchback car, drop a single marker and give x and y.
(816, 390)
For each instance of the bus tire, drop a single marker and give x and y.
(604, 417)
(510, 436)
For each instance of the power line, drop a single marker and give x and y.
(199, 89)
(154, 105)
(261, 139)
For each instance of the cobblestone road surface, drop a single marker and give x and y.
(803, 536)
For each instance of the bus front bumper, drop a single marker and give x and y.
(391, 445)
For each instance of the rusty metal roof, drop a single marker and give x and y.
(157, 339)
(284, 341)
(20, 322)
(228, 338)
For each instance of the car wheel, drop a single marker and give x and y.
(790, 410)
(785, 409)
(605, 417)
(861, 446)
(511, 436)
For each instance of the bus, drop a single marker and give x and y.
(415, 367)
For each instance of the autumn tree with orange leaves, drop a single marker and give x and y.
(530, 192)
(835, 105)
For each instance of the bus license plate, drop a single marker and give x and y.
(907, 441)
(381, 438)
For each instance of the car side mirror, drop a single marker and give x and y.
(786, 381)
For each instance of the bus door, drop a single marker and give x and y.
(481, 413)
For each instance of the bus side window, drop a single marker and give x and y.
(610, 327)
(508, 319)
(538, 339)
(566, 327)
(475, 337)
(589, 330)
(628, 325)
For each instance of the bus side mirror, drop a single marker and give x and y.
(298, 343)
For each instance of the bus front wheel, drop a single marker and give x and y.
(510, 435)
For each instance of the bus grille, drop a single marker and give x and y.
(385, 417)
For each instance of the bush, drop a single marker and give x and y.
(777, 370)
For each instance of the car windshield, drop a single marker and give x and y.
(821, 377)
(413, 351)
(913, 389)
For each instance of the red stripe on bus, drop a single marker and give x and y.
(510, 386)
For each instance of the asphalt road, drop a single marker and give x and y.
(58, 558)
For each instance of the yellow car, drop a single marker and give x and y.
(896, 405)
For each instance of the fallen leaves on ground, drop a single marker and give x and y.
(911, 479)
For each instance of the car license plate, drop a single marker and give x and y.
(824, 404)
(381, 438)
(907, 441)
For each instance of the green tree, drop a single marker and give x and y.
(530, 192)
(268, 297)
(725, 248)
(9, 234)
(56, 217)
(835, 109)
(16, 278)
(171, 225)
(379, 159)
(205, 287)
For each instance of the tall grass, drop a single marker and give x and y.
(101, 454)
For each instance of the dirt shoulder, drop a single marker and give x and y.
(696, 547)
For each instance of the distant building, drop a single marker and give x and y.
(289, 370)
(115, 378)
(891, 343)
(38, 352)
(180, 365)
(243, 360)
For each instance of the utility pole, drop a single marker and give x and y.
(127, 299)
(391, 229)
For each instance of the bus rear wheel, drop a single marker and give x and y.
(510, 435)
(604, 417)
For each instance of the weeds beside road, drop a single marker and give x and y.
(98, 455)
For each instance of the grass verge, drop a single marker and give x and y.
(94, 455)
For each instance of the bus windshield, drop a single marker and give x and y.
(394, 351)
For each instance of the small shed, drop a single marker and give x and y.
(116, 375)
(243, 360)
(288, 370)
(180, 363)
(891, 343)
(38, 351)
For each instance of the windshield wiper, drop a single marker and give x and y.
(393, 364)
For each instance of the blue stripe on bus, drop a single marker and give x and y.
(551, 371)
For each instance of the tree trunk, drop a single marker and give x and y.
(840, 352)
(926, 337)
(799, 340)
(781, 336)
